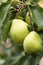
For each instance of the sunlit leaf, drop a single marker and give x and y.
(3, 12)
(37, 15)
(5, 30)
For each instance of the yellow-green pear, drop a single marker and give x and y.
(18, 30)
(32, 43)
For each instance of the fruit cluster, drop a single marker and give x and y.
(19, 33)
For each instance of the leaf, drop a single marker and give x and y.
(3, 0)
(2, 61)
(41, 35)
(37, 15)
(5, 30)
(32, 2)
(34, 60)
(36, 1)
(3, 12)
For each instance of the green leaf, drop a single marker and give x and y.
(32, 2)
(3, 12)
(37, 15)
(3, 0)
(5, 30)
(41, 35)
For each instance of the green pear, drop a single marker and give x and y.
(32, 43)
(28, 19)
(18, 30)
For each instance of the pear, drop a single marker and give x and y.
(32, 43)
(28, 19)
(18, 30)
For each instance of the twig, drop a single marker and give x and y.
(20, 8)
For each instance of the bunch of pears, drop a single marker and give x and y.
(19, 33)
